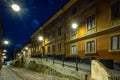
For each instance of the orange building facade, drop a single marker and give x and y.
(86, 28)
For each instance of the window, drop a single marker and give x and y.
(53, 48)
(48, 49)
(89, 1)
(91, 46)
(73, 31)
(74, 49)
(91, 22)
(59, 47)
(73, 11)
(59, 31)
(53, 35)
(48, 38)
(115, 10)
(115, 42)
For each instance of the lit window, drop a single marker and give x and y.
(91, 22)
(90, 46)
(74, 49)
(115, 42)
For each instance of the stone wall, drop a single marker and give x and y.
(100, 72)
(55, 69)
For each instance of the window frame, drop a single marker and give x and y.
(90, 23)
(53, 48)
(90, 42)
(118, 42)
(59, 31)
(48, 49)
(60, 47)
(72, 49)
(73, 33)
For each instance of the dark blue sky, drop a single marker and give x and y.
(18, 27)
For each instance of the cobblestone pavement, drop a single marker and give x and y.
(7, 74)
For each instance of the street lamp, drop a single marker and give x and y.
(4, 57)
(5, 51)
(6, 42)
(15, 7)
(26, 48)
(74, 25)
(40, 38)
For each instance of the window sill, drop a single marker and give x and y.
(90, 52)
(118, 50)
(73, 54)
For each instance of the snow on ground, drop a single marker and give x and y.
(31, 75)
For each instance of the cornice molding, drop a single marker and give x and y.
(101, 32)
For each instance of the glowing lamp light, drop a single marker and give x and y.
(4, 57)
(3, 54)
(26, 48)
(74, 25)
(6, 42)
(15, 7)
(40, 38)
(18, 54)
(4, 50)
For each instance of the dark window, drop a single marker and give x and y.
(73, 11)
(53, 35)
(115, 10)
(89, 1)
(53, 48)
(91, 46)
(91, 22)
(48, 49)
(115, 42)
(59, 31)
(74, 49)
(59, 47)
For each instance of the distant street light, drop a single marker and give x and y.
(40, 38)
(4, 57)
(74, 25)
(4, 51)
(6, 42)
(3, 54)
(15, 7)
(26, 48)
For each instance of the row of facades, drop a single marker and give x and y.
(97, 34)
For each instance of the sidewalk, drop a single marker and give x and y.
(7, 74)
(81, 66)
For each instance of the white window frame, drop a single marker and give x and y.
(72, 53)
(91, 40)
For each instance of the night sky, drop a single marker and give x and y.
(18, 27)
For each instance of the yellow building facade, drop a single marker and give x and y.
(86, 28)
